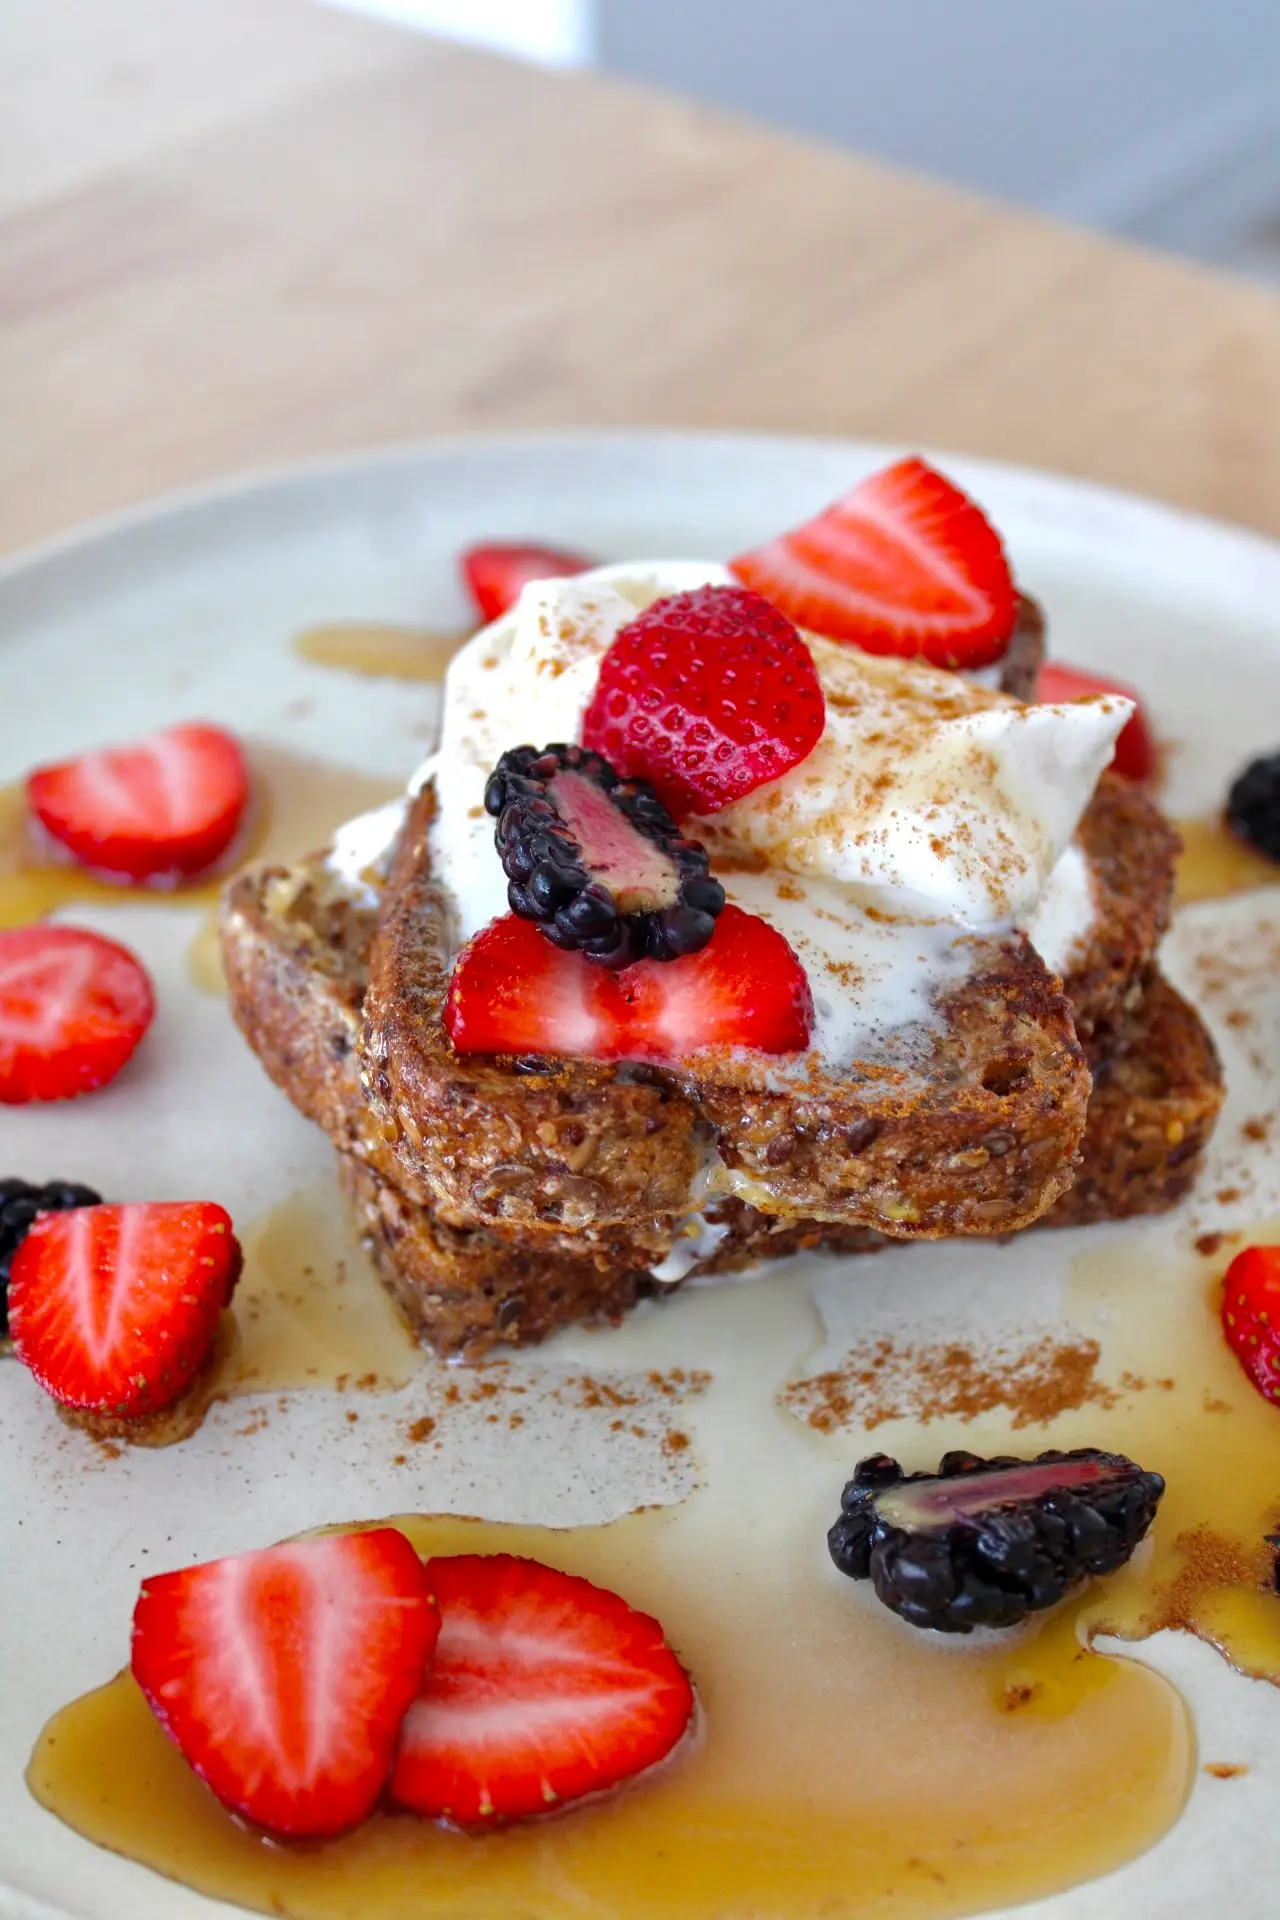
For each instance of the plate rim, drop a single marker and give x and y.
(1142, 515)
(1148, 520)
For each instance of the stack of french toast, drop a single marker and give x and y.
(506, 1194)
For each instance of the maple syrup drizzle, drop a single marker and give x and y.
(35, 880)
(378, 650)
(1210, 1570)
(781, 1807)
(1215, 863)
(309, 1309)
(847, 1765)
(297, 803)
(302, 801)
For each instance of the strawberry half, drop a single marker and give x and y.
(73, 1007)
(114, 1308)
(707, 695)
(1135, 754)
(496, 571)
(544, 1688)
(1251, 1316)
(158, 811)
(904, 563)
(513, 992)
(283, 1675)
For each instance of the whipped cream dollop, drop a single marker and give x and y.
(928, 797)
(529, 677)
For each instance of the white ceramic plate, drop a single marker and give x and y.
(189, 609)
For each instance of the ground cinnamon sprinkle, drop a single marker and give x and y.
(422, 1429)
(1019, 1694)
(1211, 1561)
(888, 1381)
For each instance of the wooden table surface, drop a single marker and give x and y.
(236, 233)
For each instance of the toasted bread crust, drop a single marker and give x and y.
(1020, 667)
(295, 957)
(1132, 851)
(1156, 1097)
(464, 1290)
(544, 1144)
(987, 1133)
(982, 1139)
(503, 1199)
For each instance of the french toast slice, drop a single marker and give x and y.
(297, 946)
(464, 1289)
(297, 943)
(1157, 1092)
(1132, 853)
(975, 1132)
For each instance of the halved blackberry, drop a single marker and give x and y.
(983, 1543)
(1253, 805)
(597, 862)
(20, 1202)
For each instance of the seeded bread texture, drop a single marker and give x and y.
(505, 1197)
(904, 1152)
(464, 1290)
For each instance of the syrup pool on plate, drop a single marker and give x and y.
(845, 1765)
(303, 800)
(379, 650)
(1215, 863)
(296, 802)
(308, 1309)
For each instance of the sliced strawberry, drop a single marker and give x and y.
(283, 1675)
(73, 1007)
(1135, 754)
(496, 571)
(513, 992)
(904, 563)
(1251, 1316)
(706, 695)
(115, 1308)
(746, 988)
(544, 1688)
(159, 811)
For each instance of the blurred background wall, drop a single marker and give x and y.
(1159, 119)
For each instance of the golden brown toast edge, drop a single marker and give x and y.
(1150, 1118)
(982, 1140)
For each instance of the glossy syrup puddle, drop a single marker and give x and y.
(378, 650)
(308, 1309)
(847, 1767)
(1214, 863)
(1212, 1436)
(296, 804)
(304, 801)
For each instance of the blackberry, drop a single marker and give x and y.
(20, 1202)
(1253, 805)
(983, 1543)
(597, 862)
